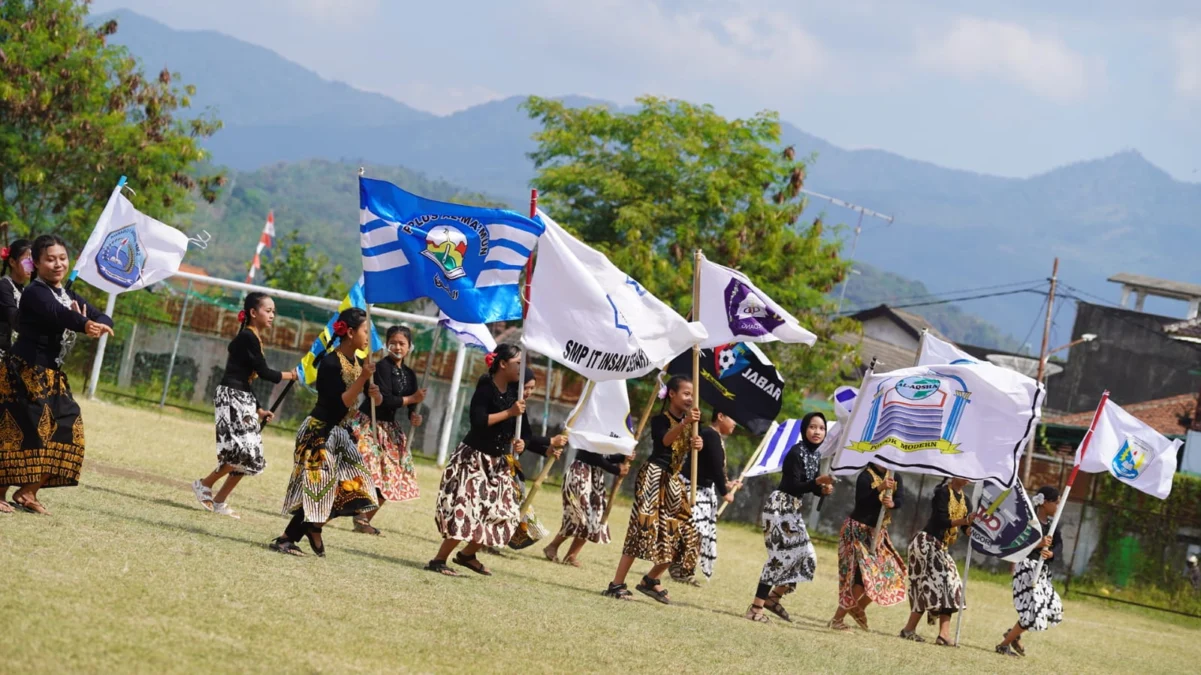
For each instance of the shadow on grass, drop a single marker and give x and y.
(160, 524)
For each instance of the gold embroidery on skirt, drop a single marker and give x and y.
(77, 431)
(10, 433)
(46, 425)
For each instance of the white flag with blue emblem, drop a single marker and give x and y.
(593, 318)
(128, 249)
(734, 310)
(1130, 451)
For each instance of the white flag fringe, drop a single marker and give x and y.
(601, 426)
(734, 310)
(471, 334)
(1131, 451)
(129, 250)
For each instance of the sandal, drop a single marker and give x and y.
(551, 554)
(1004, 650)
(860, 617)
(618, 592)
(756, 614)
(286, 546)
(222, 509)
(472, 563)
(365, 527)
(315, 541)
(647, 588)
(30, 505)
(911, 635)
(440, 567)
(571, 562)
(1016, 646)
(4, 507)
(838, 625)
(943, 642)
(773, 605)
(204, 495)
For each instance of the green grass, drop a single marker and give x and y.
(129, 575)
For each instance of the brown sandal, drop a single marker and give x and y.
(365, 527)
(772, 604)
(647, 588)
(472, 563)
(440, 567)
(30, 506)
(756, 614)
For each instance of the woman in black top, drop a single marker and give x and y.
(529, 529)
(477, 502)
(16, 269)
(584, 501)
(661, 520)
(866, 575)
(790, 555)
(239, 416)
(712, 486)
(1036, 601)
(46, 446)
(328, 480)
(934, 584)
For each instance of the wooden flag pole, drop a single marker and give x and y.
(646, 415)
(525, 307)
(751, 462)
(696, 368)
(374, 427)
(529, 495)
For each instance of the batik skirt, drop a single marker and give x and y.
(386, 456)
(329, 478)
(791, 558)
(661, 520)
(1038, 605)
(239, 439)
(881, 573)
(934, 583)
(704, 522)
(41, 430)
(477, 500)
(584, 503)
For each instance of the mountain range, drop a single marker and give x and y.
(953, 230)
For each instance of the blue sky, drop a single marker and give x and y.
(1013, 88)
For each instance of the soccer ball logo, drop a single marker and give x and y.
(730, 360)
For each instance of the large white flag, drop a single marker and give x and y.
(600, 426)
(594, 318)
(129, 250)
(936, 352)
(471, 334)
(1130, 451)
(734, 310)
(963, 421)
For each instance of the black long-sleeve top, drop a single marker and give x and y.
(940, 512)
(43, 318)
(663, 455)
(867, 499)
(330, 386)
(611, 463)
(10, 298)
(245, 361)
(1056, 547)
(487, 400)
(534, 443)
(711, 463)
(800, 470)
(395, 382)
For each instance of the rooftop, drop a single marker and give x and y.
(1181, 290)
(1163, 415)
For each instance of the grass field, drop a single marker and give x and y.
(130, 575)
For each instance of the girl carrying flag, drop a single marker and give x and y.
(935, 588)
(1037, 603)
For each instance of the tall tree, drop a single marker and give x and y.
(650, 187)
(76, 113)
(292, 266)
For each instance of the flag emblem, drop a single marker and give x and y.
(747, 313)
(916, 413)
(121, 256)
(446, 246)
(730, 360)
(1131, 459)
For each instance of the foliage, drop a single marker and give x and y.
(76, 113)
(290, 265)
(650, 187)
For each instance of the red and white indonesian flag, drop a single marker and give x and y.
(734, 310)
(265, 241)
(952, 420)
(128, 249)
(1130, 451)
(594, 318)
(600, 425)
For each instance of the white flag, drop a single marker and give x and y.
(593, 318)
(963, 421)
(1131, 451)
(471, 334)
(600, 426)
(129, 250)
(936, 352)
(734, 310)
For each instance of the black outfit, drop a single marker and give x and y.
(43, 318)
(10, 292)
(1056, 548)
(662, 455)
(610, 463)
(940, 518)
(246, 361)
(711, 460)
(395, 382)
(791, 557)
(798, 476)
(867, 500)
(488, 400)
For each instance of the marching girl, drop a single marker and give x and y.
(935, 588)
(529, 529)
(477, 500)
(386, 453)
(866, 576)
(327, 477)
(584, 502)
(1036, 601)
(239, 416)
(790, 555)
(45, 448)
(661, 520)
(711, 488)
(16, 268)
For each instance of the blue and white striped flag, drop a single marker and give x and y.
(306, 372)
(467, 259)
(786, 435)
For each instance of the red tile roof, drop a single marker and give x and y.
(1162, 414)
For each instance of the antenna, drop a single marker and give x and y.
(858, 228)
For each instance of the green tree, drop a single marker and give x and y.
(77, 113)
(291, 266)
(649, 188)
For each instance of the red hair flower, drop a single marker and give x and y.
(242, 316)
(489, 359)
(4, 253)
(341, 329)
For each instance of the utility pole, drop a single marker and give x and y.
(858, 229)
(1042, 364)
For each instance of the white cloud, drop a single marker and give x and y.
(339, 12)
(1044, 65)
(1187, 44)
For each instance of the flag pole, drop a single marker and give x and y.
(967, 564)
(280, 399)
(696, 368)
(751, 462)
(374, 427)
(529, 495)
(646, 415)
(1067, 488)
(525, 307)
